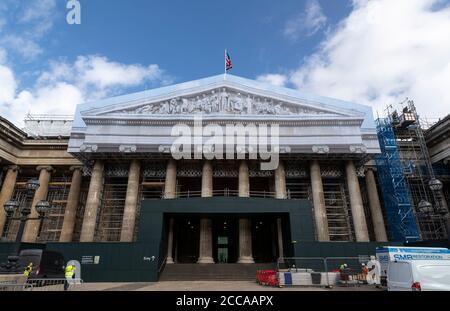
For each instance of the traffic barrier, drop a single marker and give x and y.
(54, 284)
(322, 271)
(42, 285)
(299, 271)
(267, 277)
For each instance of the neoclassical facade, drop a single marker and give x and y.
(120, 154)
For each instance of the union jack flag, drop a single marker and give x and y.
(228, 63)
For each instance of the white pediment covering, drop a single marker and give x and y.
(223, 101)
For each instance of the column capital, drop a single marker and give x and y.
(369, 168)
(48, 168)
(76, 168)
(13, 168)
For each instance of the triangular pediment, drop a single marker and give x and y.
(222, 101)
(218, 98)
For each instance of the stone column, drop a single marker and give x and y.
(245, 241)
(280, 193)
(92, 203)
(375, 207)
(207, 180)
(32, 226)
(7, 191)
(71, 206)
(359, 218)
(244, 180)
(169, 259)
(170, 192)
(170, 186)
(205, 249)
(280, 240)
(245, 227)
(320, 211)
(131, 202)
(280, 182)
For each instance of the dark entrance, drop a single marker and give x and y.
(225, 240)
(264, 239)
(187, 239)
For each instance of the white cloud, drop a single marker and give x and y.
(100, 71)
(97, 76)
(8, 84)
(383, 52)
(64, 85)
(3, 55)
(306, 23)
(58, 99)
(41, 13)
(274, 79)
(27, 48)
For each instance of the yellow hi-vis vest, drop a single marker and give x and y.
(70, 270)
(28, 270)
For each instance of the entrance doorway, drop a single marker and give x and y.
(264, 239)
(187, 241)
(226, 239)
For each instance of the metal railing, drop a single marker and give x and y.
(15, 287)
(42, 285)
(226, 193)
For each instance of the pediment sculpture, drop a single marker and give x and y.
(221, 101)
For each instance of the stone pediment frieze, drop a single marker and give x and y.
(221, 101)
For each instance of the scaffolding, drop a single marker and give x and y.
(404, 172)
(336, 203)
(112, 203)
(11, 224)
(58, 193)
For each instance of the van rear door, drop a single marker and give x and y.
(399, 276)
(433, 276)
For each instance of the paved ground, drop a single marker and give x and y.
(205, 286)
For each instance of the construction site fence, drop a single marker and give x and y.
(41, 285)
(323, 271)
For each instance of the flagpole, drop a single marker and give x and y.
(225, 64)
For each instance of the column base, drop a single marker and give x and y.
(208, 260)
(246, 259)
(169, 261)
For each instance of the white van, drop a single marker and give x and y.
(419, 275)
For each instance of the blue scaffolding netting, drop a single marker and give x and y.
(396, 196)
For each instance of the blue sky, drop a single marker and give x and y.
(370, 52)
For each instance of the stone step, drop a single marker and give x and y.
(218, 272)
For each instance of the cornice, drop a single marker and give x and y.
(222, 121)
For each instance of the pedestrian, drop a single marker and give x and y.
(28, 270)
(344, 273)
(365, 273)
(374, 276)
(69, 274)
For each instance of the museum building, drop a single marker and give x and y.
(111, 177)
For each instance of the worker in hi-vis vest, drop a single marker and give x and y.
(28, 270)
(69, 274)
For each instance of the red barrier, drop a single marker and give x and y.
(267, 277)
